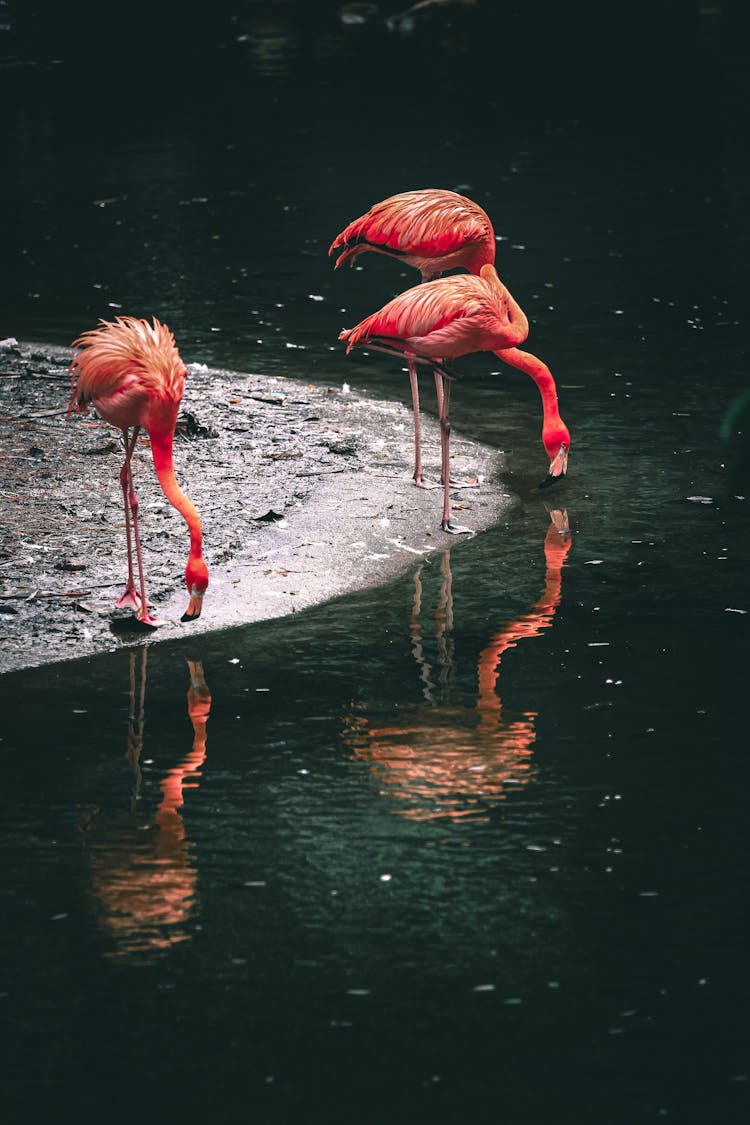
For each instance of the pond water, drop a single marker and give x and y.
(471, 846)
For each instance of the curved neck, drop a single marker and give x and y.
(541, 375)
(483, 256)
(161, 449)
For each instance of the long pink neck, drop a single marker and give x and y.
(541, 375)
(161, 448)
(483, 256)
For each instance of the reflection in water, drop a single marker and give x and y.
(438, 760)
(142, 874)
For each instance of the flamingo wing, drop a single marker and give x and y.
(448, 307)
(126, 356)
(430, 223)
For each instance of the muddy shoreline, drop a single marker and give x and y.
(304, 491)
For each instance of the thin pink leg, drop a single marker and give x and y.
(444, 396)
(142, 608)
(439, 393)
(130, 598)
(419, 478)
(445, 441)
(439, 390)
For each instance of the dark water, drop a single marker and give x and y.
(472, 846)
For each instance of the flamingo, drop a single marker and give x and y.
(431, 229)
(451, 317)
(133, 374)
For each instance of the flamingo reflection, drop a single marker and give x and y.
(442, 759)
(143, 876)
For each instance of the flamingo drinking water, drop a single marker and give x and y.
(432, 230)
(451, 317)
(133, 374)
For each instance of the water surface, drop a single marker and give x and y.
(470, 846)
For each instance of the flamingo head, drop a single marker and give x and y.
(196, 579)
(556, 438)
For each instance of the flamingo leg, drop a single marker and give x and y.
(443, 388)
(443, 380)
(419, 478)
(130, 598)
(412, 361)
(439, 390)
(142, 612)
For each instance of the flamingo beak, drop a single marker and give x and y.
(193, 611)
(558, 467)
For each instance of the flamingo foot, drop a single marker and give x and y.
(422, 482)
(456, 528)
(550, 480)
(130, 599)
(470, 482)
(147, 621)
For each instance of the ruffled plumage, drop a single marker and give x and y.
(132, 372)
(446, 318)
(126, 355)
(430, 229)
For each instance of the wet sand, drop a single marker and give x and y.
(304, 491)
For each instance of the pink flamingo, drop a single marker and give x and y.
(451, 317)
(432, 230)
(133, 374)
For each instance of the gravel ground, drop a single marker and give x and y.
(304, 491)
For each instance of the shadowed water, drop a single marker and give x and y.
(472, 846)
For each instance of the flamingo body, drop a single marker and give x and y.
(132, 372)
(446, 318)
(454, 316)
(431, 229)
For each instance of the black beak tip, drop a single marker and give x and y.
(549, 480)
(190, 616)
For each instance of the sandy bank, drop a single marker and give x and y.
(304, 491)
